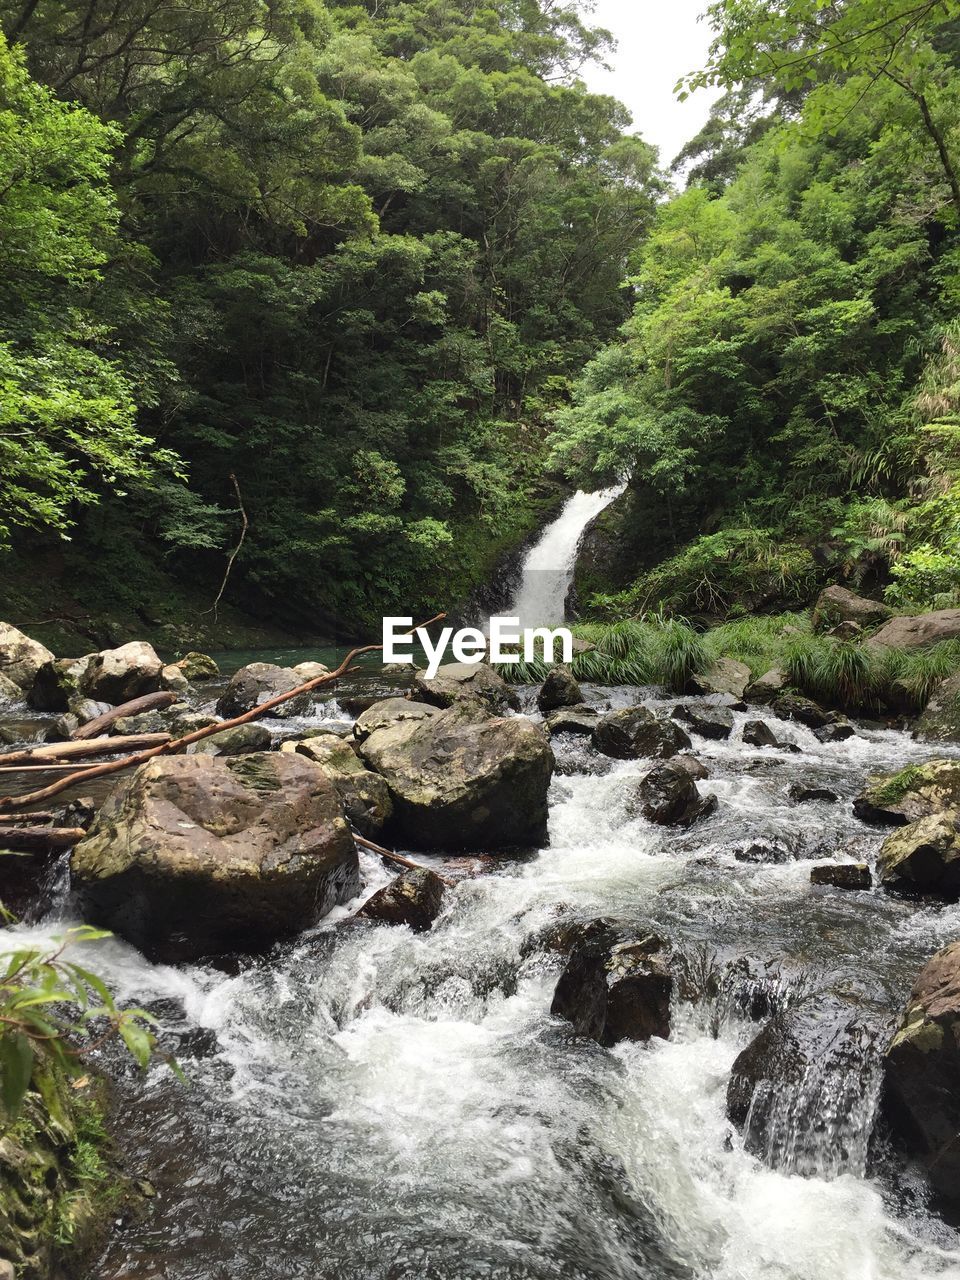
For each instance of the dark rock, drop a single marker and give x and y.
(842, 875)
(760, 851)
(792, 706)
(457, 680)
(840, 731)
(242, 739)
(581, 720)
(923, 857)
(705, 720)
(800, 794)
(55, 684)
(413, 899)
(257, 683)
(636, 733)
(756, 733)
(690, 764)
(558, 690)
(837, 605)
(669, 796)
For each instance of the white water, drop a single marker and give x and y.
(549, 564)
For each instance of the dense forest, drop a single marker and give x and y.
(378, 278)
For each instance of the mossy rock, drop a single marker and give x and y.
(915, 792)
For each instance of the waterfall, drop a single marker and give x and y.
(550, 562)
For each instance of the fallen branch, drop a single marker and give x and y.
(178, 744)
(395, 857)
(34, 815)
(147, 702)
(236, 550)
(93, 747)
(40, 839)
(50, 768)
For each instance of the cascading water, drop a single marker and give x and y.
(549, 564)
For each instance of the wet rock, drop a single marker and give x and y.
(198, 667)
(581, 720)
(20, 657)
(705, 720)
(558, 690)
(669, 796)
(414, 898)
(118, 675)
(761, 851)
(390, 711)
(756, 733)
(836, 605)
(457, 680)
(311, 670)
(725, 676)
(792, 706)
(690, 764)
(914, 792)
(922, 1075)
(839, 731)
(919, 631)
(800, 794)
(636, 733)
(842, 875)
(257, 683)
(459, 782)
(616, 986)
(766, 688)
(197, 855)
(940, 719)
(923, 857)
(56, 684)
(365, 795)
(241, 740)
(172, 678)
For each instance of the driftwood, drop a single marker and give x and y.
(34, 815)
(39, 839)
(178, 744)
(52, 767)
(147, 702)
(394, 857)
(93, 747)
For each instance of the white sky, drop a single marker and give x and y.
(658, 42)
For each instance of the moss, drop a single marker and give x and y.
(892, 789)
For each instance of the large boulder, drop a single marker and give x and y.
(918, 631)
(762, 691)
(559, 689)
(922, 1077)
(257, 683)
(940, 718)
(20, 657)
(669, 796)
(311, 670)
(914, 792)
(459, 782)
(726, 675)
(57, 683)
(805, 1075)
(389, 711)
(635, 733)
(581, 720)
(793, 706)
(836, 605)
(119, 675)
(923, 857)
(199, 855)
(458, 680)
(413, 899)
(198, 667)
(9, 692)
(365, 795)
(617, 985)
(706, 720)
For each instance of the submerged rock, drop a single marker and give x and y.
(940, 719)
(559, 689)
(705, 720)
(199, 855)
(257, 683)
(922, 1081)
(914, 792)
(800, 794)
(20, 657)
(414, 898)
(462, 782)
(726, 675)
(668, 795)
(923, 857)
(838, 605)
(118, 675)
(842, 875)
(839, 731)
(636, 733)
(457, 680)
(365, 795)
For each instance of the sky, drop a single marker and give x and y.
(658, 42)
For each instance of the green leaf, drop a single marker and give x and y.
(16, 1065)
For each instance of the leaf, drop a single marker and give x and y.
(139, 1041)
(16, 1065)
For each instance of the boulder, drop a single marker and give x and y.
(9, 692)
(413, 899)
(617, 985)
(241, 740)
(793, 706)
(770, 685)
(919, 631)
(846, 631)
(197, 855)
(365, 795)
(705, 720)
(940, 718)
(726, 675)
(311, 670)
(690, 764)
(838, 605)
(801, 794)
(922, 1073)
(669, 796)
(914, 792)
(457, 680)
(20, 657)
(257, 683)
(558, 690)
(57, 683)
(839, 731)
(804, 1075)
(842, 875)
(923, 857)
(757, 733)
(119, 675)
(390, 711)
(458, 782)
(172, 678)
(635, 733)
(198, 667)
(581, 720)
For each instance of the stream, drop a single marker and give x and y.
(366, 1102)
